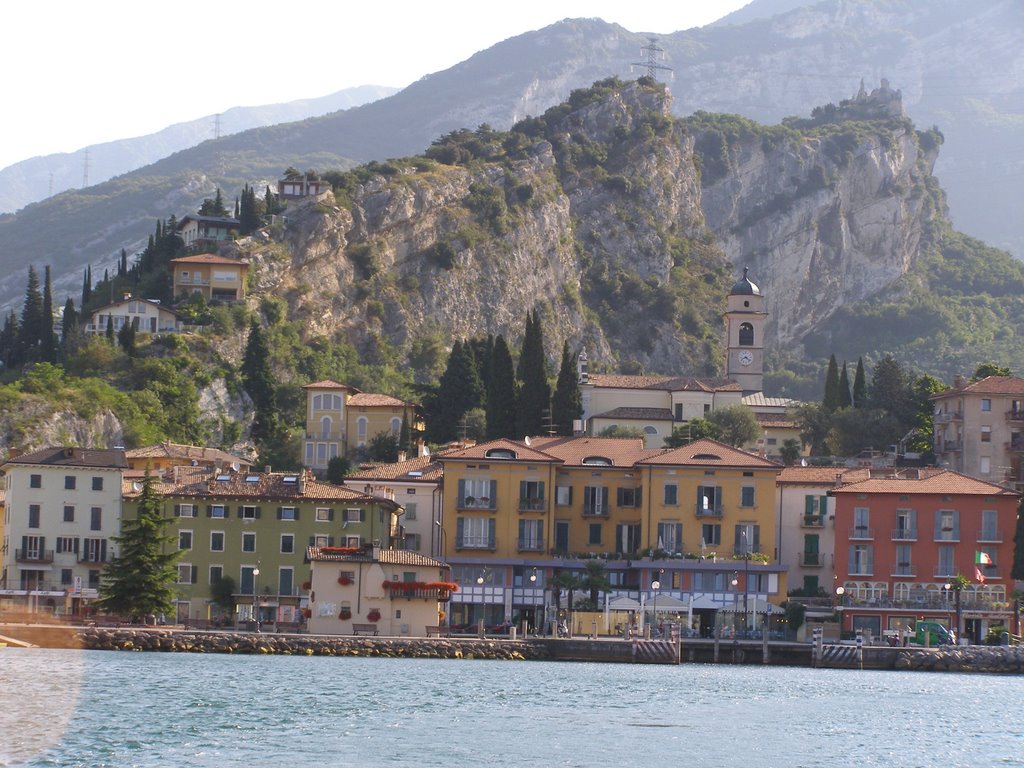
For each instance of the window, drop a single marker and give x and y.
(67, 545)
(531, 495)
(862, 560)
(748, 538)
(248, 512)
(947, 525)
(861, 518)
(94, 550)
(216, 541)
(69, 513)
(710, 535)
(33, 515)
(285, 580)
(321, 540)
(218, 510)
(627, 538)
(32, 547)
(216, 573)
(353, 515)
(69, 482)
(746, 335)
(288, 513)
(986, 434)
(594, 533)
(410, 510)
(811, 556)
(361, 425)
(287, 543)
(984, 465)
(396, 427)
(66, 577)
(477, 493)
(595, 500)
(679, 412)
(946, 561)
(475, 533)
(185, 573)
(35, 481)
(986, 404)
(324, 514)
(906, 524)
(186, 510)
(747, 496)
(709, 501)
(989, 526)
(670, 536)
(903, 565)
(97, 483)
(563, 495)
(94, 579)
(671, 494)
(561, 536)
(184, 539)
(248, 542)
(709, 581)
(95, 519)
(531, 535)
(628, 497)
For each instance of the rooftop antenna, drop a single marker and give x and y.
(651, 54)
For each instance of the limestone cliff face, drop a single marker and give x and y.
(603, 224)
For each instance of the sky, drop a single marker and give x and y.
(84, 73)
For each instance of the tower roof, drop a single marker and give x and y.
(744, 287)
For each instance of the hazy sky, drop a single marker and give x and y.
(80, 73)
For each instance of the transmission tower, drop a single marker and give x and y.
(216, 126)
(651, 53)
(85, 169)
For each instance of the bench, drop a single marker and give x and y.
(364, 629)
(438, 631)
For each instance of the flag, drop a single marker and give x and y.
(982, 558)
(979, 575)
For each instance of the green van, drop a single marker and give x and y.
(937, 634)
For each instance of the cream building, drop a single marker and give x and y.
(148, 315)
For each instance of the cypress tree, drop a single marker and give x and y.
(110, 329)
(860, 386)
(30, 330)
(9, 340)
(140, 579)
(47, 339)
(844, 388)
(501, 392)
(458, 391)
(567, 402)
(405, 436)
(69, 323)
(122, 264)
(534, 390)
(86, 287)
(259, 383)
(831, 399)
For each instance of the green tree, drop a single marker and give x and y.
(214, 207)
(259, 383)
(845, 401)
(860, 385)
(86, 287)
(815, 425)
(47, 338)
(532, 372)
(69, 324)
(595, 579)
(830, 401)
(618, 430)
(110, 330)
(985, 370)
(698, 429)
(139, 580)
(30, 330)
(501, 393)
(337, 468)
(458, 391)
(222, 592)
(126, 338)
(790, 451)
(1017, 571)
(736, 424)
(249, 215)
(567, 402)
(383, 447)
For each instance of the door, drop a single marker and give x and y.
(561, 535)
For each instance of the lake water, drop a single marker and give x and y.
(94, 708)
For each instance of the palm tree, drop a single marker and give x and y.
(595, 580)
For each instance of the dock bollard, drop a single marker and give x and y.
(860, 651)
(817, 649)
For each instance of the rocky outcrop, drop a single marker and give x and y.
(971, 658)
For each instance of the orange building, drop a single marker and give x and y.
(902, 541)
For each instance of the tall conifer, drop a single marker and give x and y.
(567, 402)
(30, 330)
(501, 392)
(831, 400)
(534, 389)
(844, 388)
(860, 386)
(47, 338)
(259, 383)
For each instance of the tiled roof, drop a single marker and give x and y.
(209, 258)
(204, 482)
(186, 452)
(759, 399)
(777, 420)
(990, 385)
(99, 458)
(710, 453)
(329, 384)
(368, 399)
(643, 414)
(429, 468)
(821, 475)
(574, 451)
(666, 383)
(386, 556)
(131, 299)
(522, 452)
(937, 482)
(208, 219)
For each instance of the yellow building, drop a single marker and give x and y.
(217, 278)
(156, 458)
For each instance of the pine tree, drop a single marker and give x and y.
(110, 329)
(860, 386)
(9, 340)
(534, 390)
(249, 219)
(501, 394)
(30, 330)
(140, 580)
(126, 338)
(47, 338)
(269, 202)
(831, 399)
(69, 325)
(259, 383)
(844, 388)
(405, 436)
(86, 287)
(567, 402)
(122, 264)
(458, 391)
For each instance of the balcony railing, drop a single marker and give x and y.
(85, 559)
(812, 521)
(944, 572)
(190, 280)
(420, 594)
(990, 536)
(904, 570)
(904, 534)
(947, 534)
(703, 511)
(1016, 445)
(812, 559)
(949, 446)
(595, 511)
(477, 502)
(1015, 415)
(532, 505)
(862, 533)
(944, 417)
(23, 555)
(530, 545)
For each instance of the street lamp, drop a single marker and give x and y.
(746, 576)
(949, 612)
(735, 600)
(656, 585)
(533, 575)
(255, 609)
(840, 592)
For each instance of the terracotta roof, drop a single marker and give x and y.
(329, 384)
(429, 469)
(777, 420)
(990, 385)
(208, 219)
(209, 258)
(520, 449)
(710, 453)
(99, 458)
(204, 482)
(667, 383)
(648, 414)
(186, 452)
(131, 299)
(759, 399)
(387, 556)
(368, 399)
(574, 451)
(934, 482)
(821, 475)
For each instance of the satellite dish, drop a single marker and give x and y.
(195, 463)
(136, 487)
(526, 440)
(235, 466)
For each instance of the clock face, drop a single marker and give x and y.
(746, 358)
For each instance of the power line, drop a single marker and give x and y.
(650, 53)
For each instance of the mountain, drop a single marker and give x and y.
(40, 177)
(957, 63)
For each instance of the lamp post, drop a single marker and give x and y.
(746, 577)
(656, 585)
(840, 592)
(442, 540)
(255, 609)
(735, 601)
(949, 613)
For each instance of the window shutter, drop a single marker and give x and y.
(177, 510)
(209, 510)
(296, 513)
(24, 543)
(570, 495)
(757, 539)
(522, 489)
(912, 519)
(240, 511)
(809, 505)
(195, 574)
(638, 497)
(330, 514)
(956, 525)
(76, 545)
(60, 545)
(522, 530)
(871, 560)
(462, 493)
(312, 541)
(618, 496)
(493, 503)
(604, 499)
(330, 541)
(823, 505)
(362, 515)
(257, 513)
(103, 550)
(460, 528)
(492, 527)
(278, 513)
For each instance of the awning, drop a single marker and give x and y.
(623, 604)
(667, 603)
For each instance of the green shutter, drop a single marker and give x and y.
(808, 506)
(459, 530)
(462, 493)
(492, 528)
(493, 503)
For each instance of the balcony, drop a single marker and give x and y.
(904, 571)
(192, 280)
(474, 502)
(22, 555)
(703, 511)
(947, 534)
(812, 521)
(532, 505)
(530, 545)
(944, 417)
(595, 511)
(862, 533)
(904, 534)
(949, 446)
(1015, 415)
(1016, 445)
(420, 593)
(990, 536)
(812, 559)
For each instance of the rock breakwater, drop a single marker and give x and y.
(971, 658)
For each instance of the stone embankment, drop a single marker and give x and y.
(970, 658)
(103, 639)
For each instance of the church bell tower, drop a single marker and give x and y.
(745, 318)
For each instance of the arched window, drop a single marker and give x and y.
(396, 427)
(746, 335)
(361, 424)
(325, 427)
